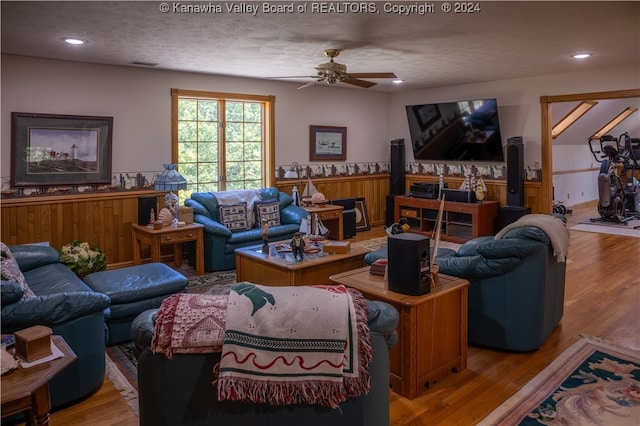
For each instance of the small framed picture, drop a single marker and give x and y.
(327, 143)
(362, 218)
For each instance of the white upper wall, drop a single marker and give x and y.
(139, 101)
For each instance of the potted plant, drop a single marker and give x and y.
(83, 258)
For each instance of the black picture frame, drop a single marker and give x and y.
(426, 115)
(55, 149)
(362, 218)
(327, 143)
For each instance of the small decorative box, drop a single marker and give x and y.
(378, 267)
(185, 214)
(338, 247)
(33, 343)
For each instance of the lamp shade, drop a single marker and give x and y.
(170, 179)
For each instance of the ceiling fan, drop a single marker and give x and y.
(333, 72)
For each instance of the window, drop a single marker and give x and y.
(222, 141)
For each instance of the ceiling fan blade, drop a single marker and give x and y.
(372, 75)
(296, 76)
(360, 83)
(309, 84)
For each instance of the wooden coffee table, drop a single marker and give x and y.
(432, 332)
(27, 389)
(258, 268)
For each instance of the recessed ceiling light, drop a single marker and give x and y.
(581, 55)
(398, 81)
(74, 41)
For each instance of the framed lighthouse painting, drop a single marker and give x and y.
(50, 150)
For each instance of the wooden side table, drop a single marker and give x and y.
(432, 331)
(331, 216)
(27, 389)
(169, 235)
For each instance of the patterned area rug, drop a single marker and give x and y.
(379, 242)
(122, 371)
(594, 382)
(204, 283)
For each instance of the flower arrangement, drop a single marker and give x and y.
(83, 258)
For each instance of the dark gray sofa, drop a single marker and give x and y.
(179, 391)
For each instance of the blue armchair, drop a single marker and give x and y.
(69, 307)
(517, 284)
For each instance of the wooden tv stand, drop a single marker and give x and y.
(460, 221)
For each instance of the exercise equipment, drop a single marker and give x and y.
(618, 188)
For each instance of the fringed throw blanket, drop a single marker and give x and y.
(554, 227)
(289, 345)
(190, 323)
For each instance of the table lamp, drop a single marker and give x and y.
(170, 180)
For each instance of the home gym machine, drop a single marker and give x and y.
(618, 187)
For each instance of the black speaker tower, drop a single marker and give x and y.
(515, 172)
(390, 213)
(397, 185)
(408, 264)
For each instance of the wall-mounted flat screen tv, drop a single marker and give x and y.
(456, 131)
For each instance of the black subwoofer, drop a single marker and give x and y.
(515, 171)
(145, 206)
(408, 264)
(397, 185)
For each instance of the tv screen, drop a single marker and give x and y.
(456, 131)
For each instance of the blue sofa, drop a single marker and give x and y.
(517, 285)
(179, 391)
(69, 307)
(220, 242)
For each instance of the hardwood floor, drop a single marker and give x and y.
(602, 299)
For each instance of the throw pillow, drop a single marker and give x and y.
(10, 270)
(269, 210)
(234, 217)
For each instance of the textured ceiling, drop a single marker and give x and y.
(503, 40)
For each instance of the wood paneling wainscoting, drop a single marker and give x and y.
(105, 218)
(102, 218)
(373, 188)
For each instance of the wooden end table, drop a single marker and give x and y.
(331, 216)
(27, 389)
(256, 267)
(432, 332)
(169, 235)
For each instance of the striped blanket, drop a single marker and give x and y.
(281, 345)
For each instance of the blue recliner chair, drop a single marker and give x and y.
(516, 291)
